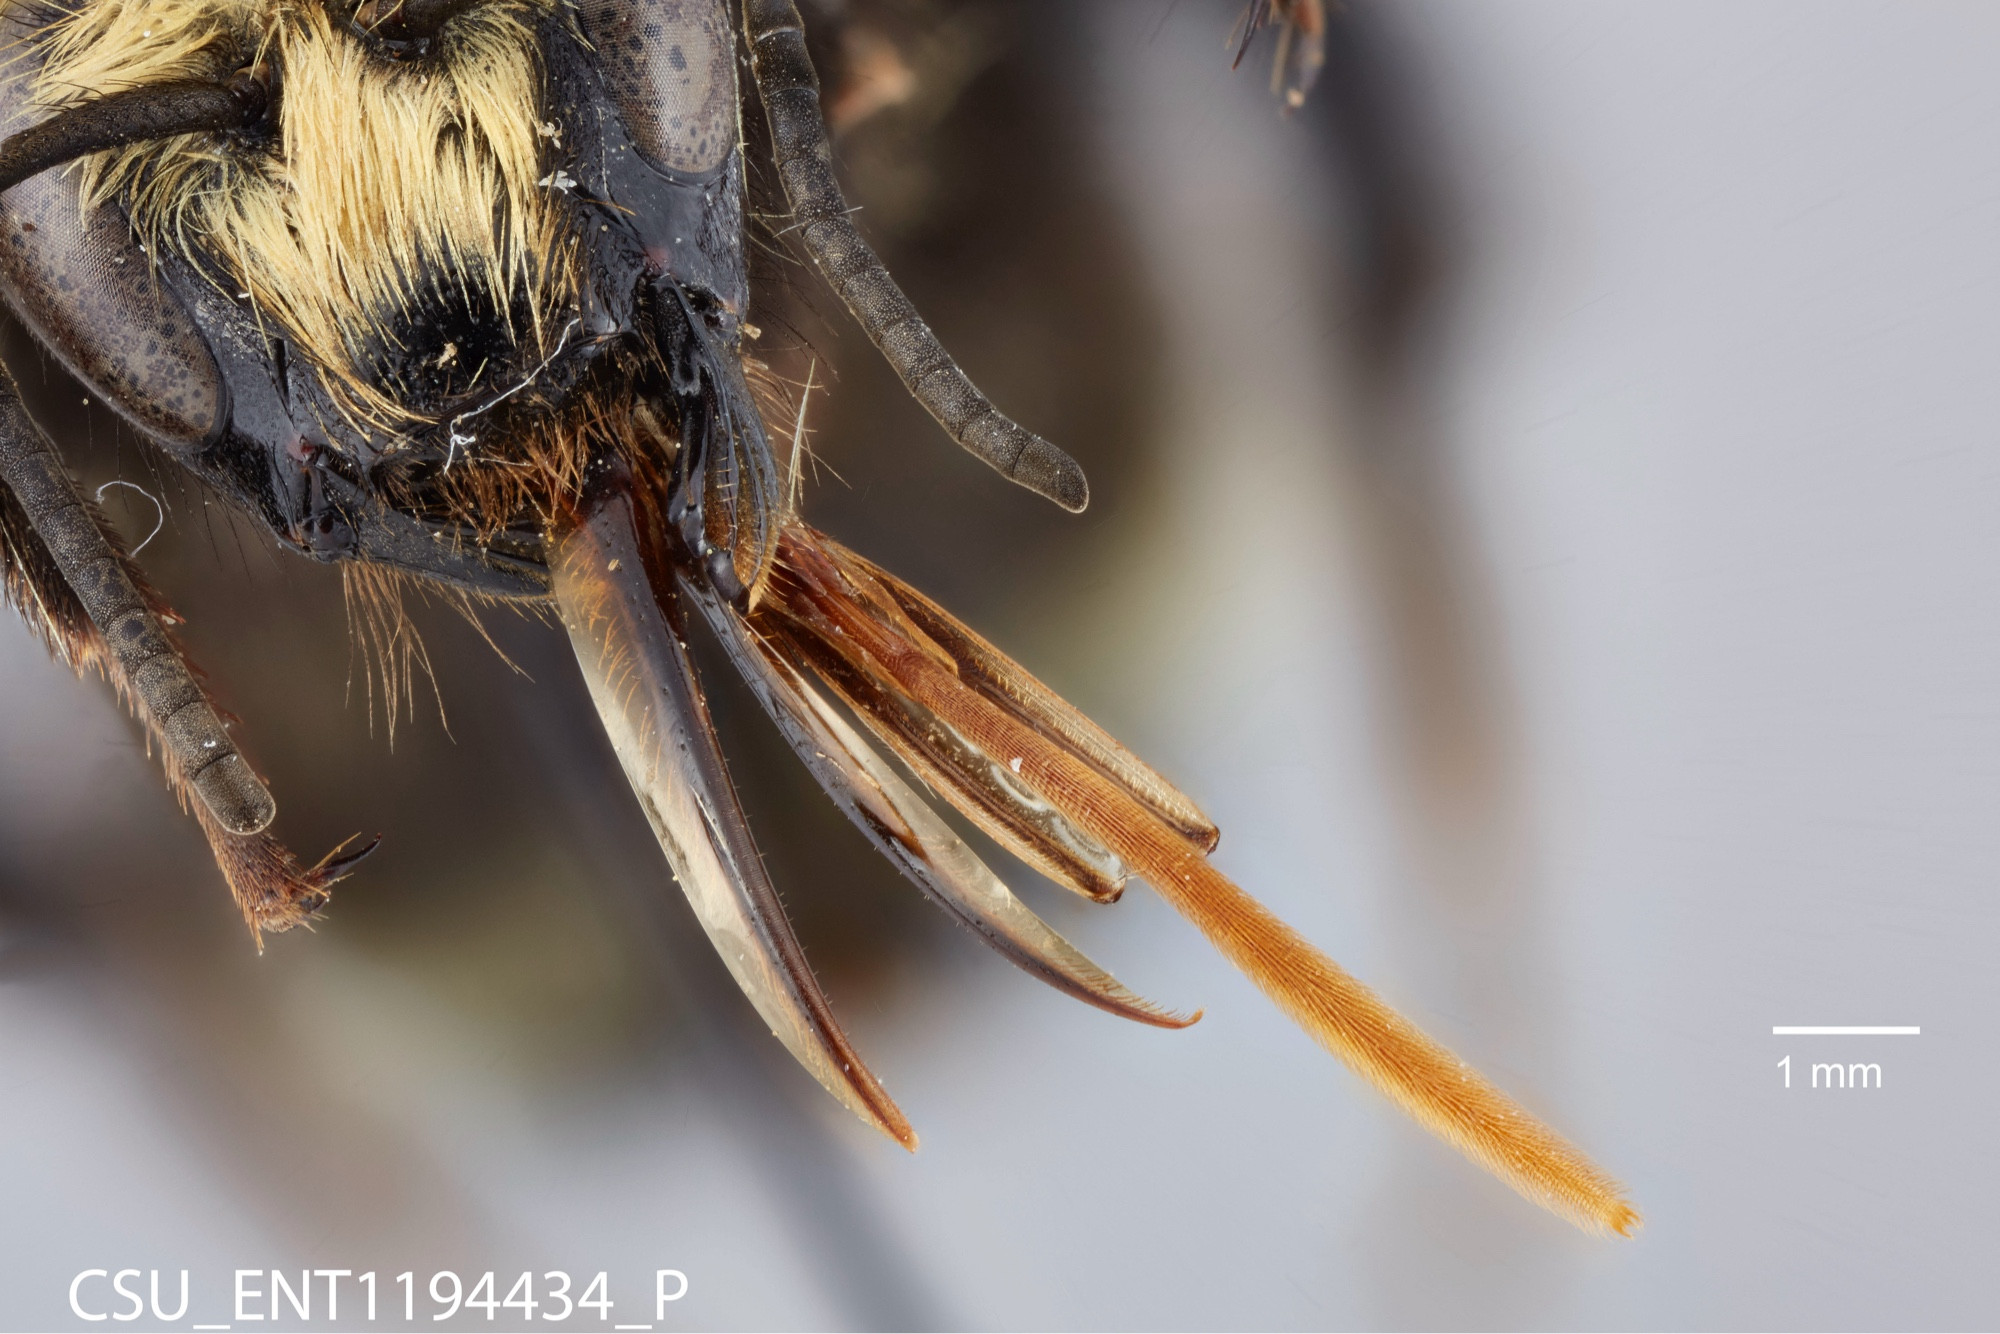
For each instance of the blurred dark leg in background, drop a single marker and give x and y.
(1452, 733)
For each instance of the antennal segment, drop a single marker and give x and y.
(156, 111)
(789, 87)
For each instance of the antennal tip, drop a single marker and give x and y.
(1049, 472)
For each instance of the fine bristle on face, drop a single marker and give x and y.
(390, 196)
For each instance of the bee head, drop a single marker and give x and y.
(453, 257)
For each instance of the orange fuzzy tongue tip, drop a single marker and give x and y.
(1450, 1098)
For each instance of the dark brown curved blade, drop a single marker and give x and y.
(824, 612)
(999, 678)
(903, 826)
(652, 707)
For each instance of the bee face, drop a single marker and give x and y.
(393, 309)
(380, 198)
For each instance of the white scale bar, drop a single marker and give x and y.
(1845, 1030)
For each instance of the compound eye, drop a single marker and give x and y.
(670, 67)
(83, 285)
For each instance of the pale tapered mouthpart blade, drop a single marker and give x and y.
(646, 693)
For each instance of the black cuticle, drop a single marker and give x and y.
(252, 93)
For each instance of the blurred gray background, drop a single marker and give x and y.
(1547, 509)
